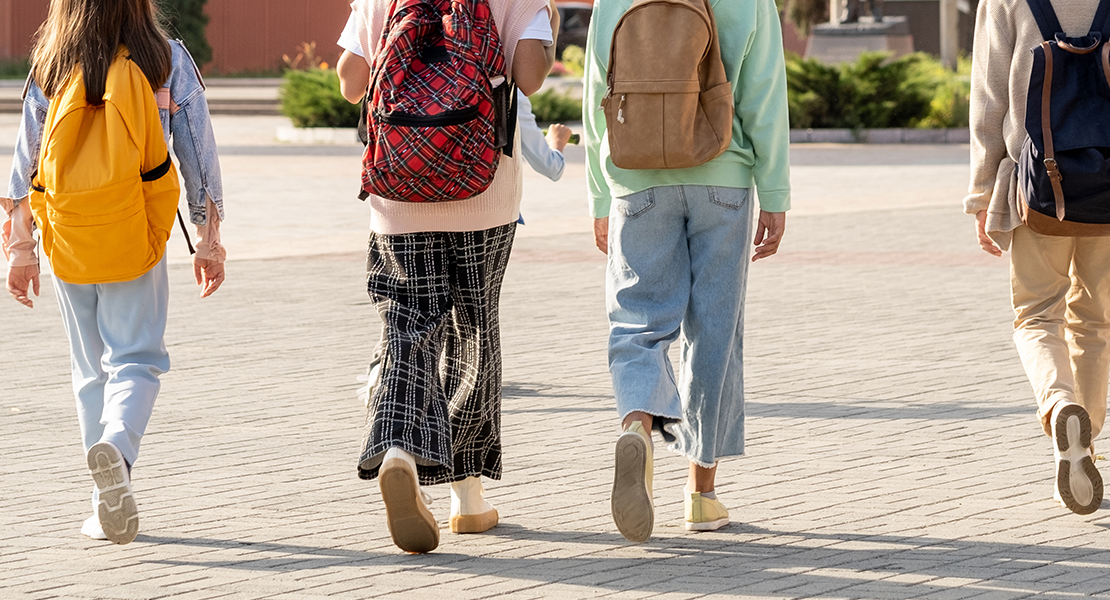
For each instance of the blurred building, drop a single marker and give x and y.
(247, 36)
(250, 36)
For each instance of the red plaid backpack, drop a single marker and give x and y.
(431, 116)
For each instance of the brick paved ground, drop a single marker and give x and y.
(892, 448)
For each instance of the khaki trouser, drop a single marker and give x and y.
(1061, 295)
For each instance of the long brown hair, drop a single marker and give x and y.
(88, 33)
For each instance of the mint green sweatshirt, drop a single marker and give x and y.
(751, 48)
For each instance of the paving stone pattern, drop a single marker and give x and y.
(893, 451)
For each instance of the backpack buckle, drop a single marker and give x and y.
(1053, 169)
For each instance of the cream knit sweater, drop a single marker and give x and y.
(498, 205)
(1002, 58)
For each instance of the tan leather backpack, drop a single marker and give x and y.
(669, 104)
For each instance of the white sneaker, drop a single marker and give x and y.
(411, 524)
(1078, 482)
(92, 528)
(470, 512)
(116, 508)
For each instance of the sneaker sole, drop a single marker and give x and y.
(474, 523)
(117, 511)
(411, 524)
(1071, 440)
(633, 512)
(707, 526)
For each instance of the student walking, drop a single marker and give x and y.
(93, 173)
(435, 268)
(676, 221)
(1039, 189)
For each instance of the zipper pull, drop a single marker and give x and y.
(620, 110)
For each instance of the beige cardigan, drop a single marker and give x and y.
(1002, 58)
(500, 204)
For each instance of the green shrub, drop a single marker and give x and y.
(185, 19)
(873, 92)
(553, 107)
(311, 99)
(14, 69)
(574, 61)
(951, 102)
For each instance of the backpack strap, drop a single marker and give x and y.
(154, 175)
(1050, 165)
(188, 242)
(1101, 23)
(158, 172)
(1046, 18)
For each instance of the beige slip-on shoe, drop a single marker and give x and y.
(704, 514)
(470, 512)
(411, 524)
(632, 506)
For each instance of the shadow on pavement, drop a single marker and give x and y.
(755, 560)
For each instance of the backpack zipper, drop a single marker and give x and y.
(609, 96)
(444, 119)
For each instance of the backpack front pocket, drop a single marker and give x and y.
(106, 244)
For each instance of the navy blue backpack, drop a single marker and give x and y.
(1064, 169)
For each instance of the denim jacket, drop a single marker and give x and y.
(187, 120)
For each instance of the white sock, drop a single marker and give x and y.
(468, 497)
(712, 495)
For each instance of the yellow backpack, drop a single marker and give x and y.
(106, 191)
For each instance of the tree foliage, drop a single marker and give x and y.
(804, 14)
(186, 20)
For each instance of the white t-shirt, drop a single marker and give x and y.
(538, 29)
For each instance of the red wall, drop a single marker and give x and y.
(252, 35)
(19, 20)
(246, 35)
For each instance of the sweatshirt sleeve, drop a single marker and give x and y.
(764, 111)
(18, 234)
(991, 59)
(593, 125)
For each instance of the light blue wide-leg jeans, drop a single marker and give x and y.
(678, 266)
(116, 340)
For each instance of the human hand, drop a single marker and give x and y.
(21, 281)
(557, 136)
(208, 273)
(601, 234)
(768, 233)
(985, 242)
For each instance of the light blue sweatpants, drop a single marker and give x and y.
(116, 340)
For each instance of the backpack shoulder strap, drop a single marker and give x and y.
(1046, 18)
(1101, 22)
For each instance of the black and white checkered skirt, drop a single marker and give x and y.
(439, 391)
